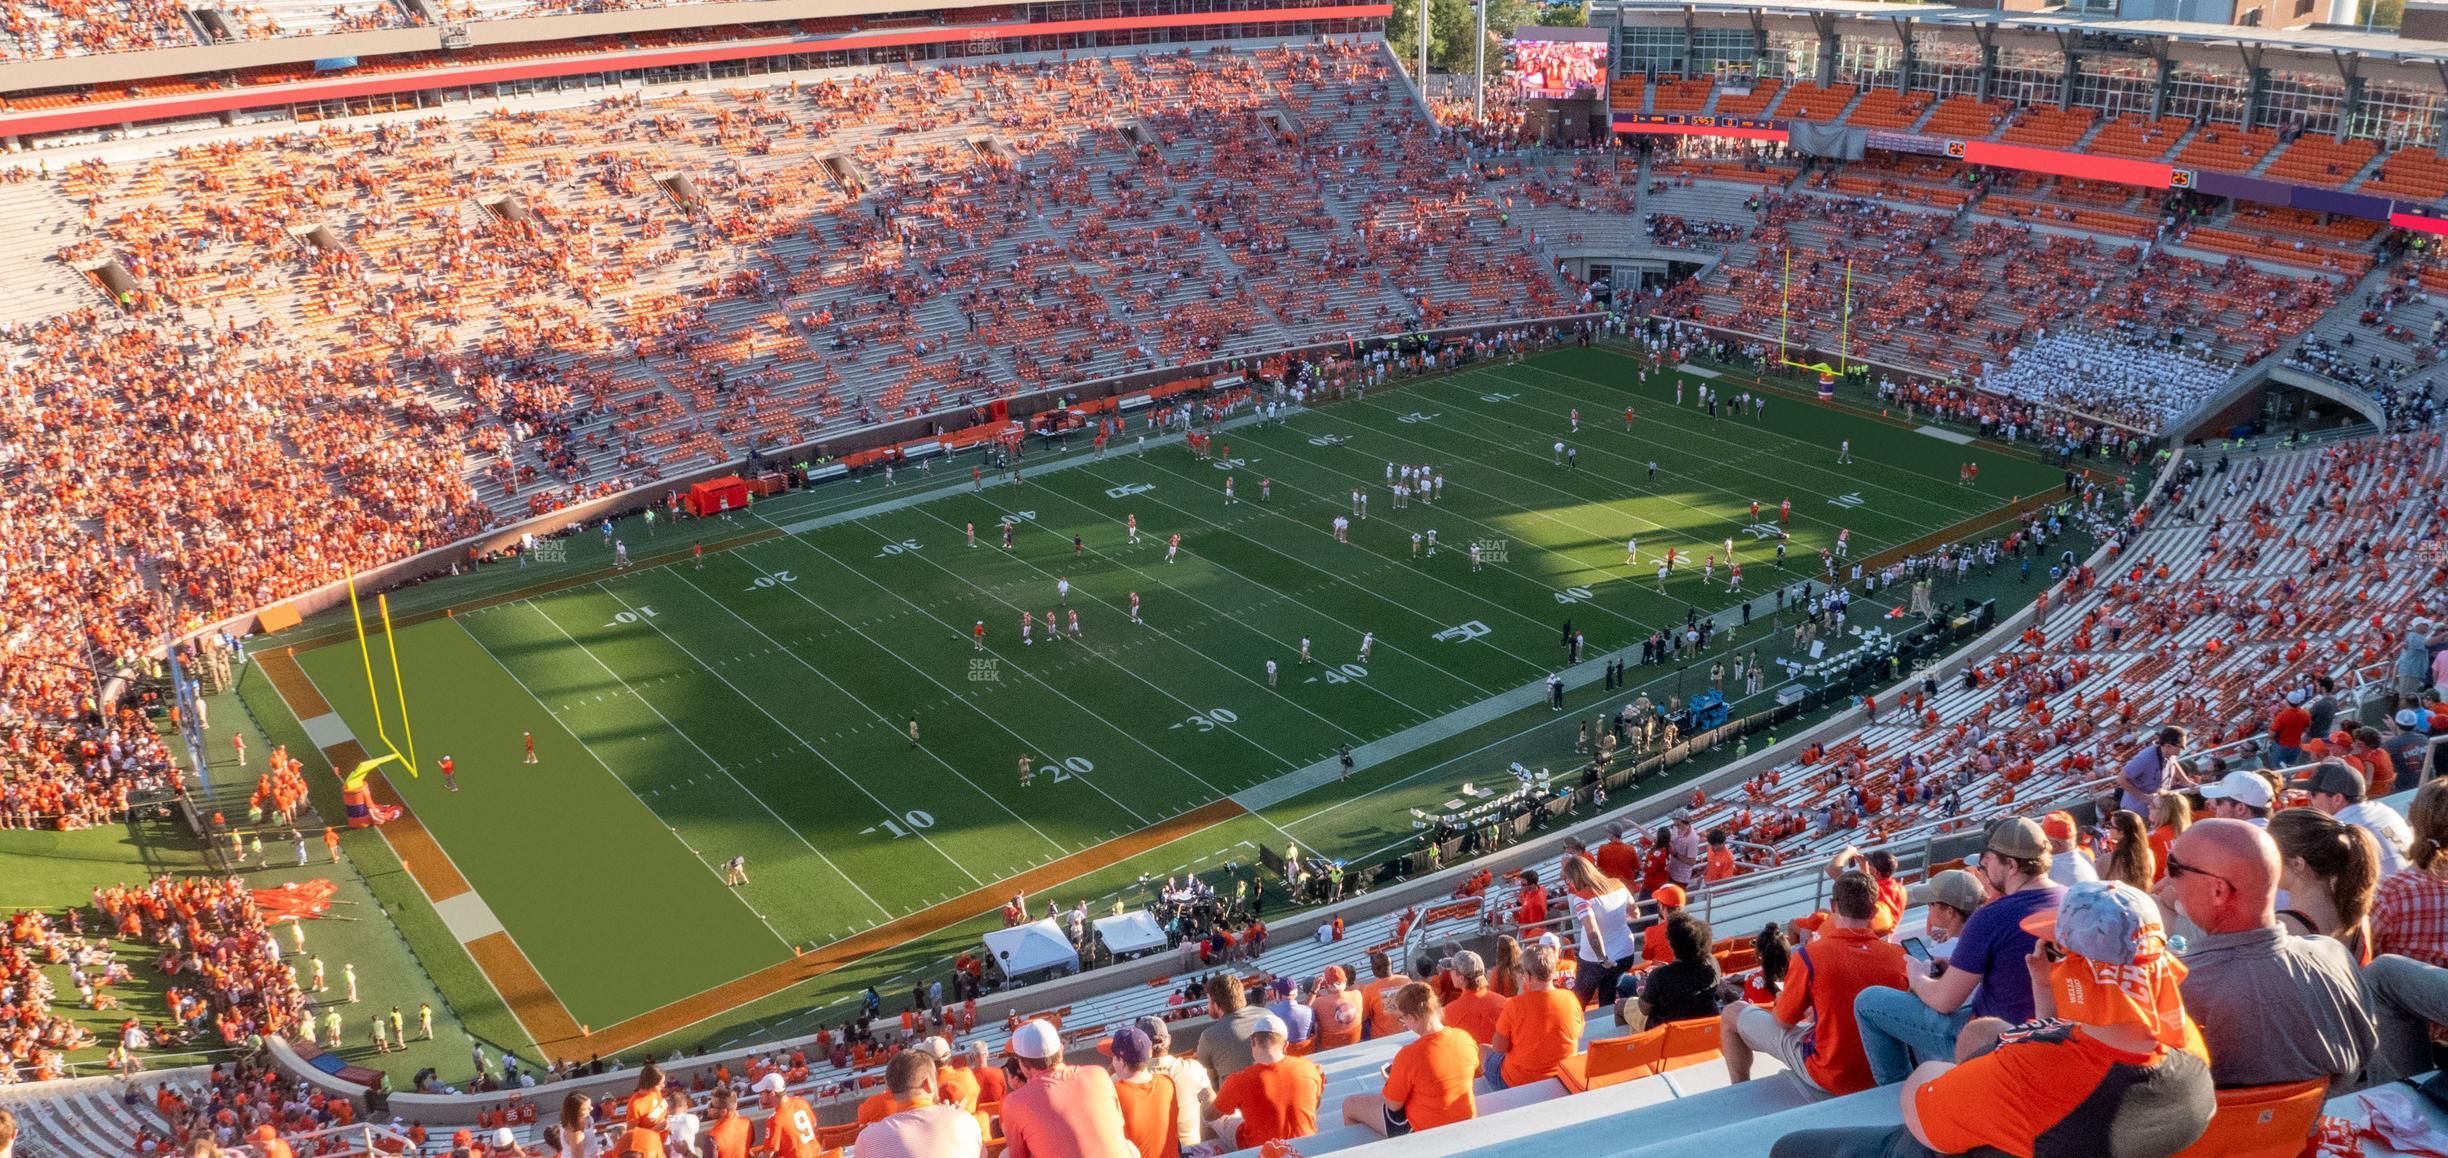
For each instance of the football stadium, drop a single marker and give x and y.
(625, 578)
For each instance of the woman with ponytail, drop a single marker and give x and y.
(2328, 870)
(2410, 914)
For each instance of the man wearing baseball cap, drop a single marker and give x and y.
(2068, 864)
(2241, 795)
(2338, 790)
(1335, 1009)
(1670, 900)
(918, 1126)
(1275, 1096)
(791, 1132)
(1985, 975)
(2114, 1069)
(1191, 1089)
(2286, 730)
(1952, 896)
(2406, 743)
(1150, 1112)
(1059, 1111)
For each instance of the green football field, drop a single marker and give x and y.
(758, 705)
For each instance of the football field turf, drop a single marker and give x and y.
(758, 705)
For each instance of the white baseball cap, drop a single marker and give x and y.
(1269, 1023)
(1550, 941)
(1036, 1040)
(769, 1084)
(2245, 788)
(936, 1047)
(503, 1139)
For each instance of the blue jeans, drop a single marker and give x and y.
(1897, 1030)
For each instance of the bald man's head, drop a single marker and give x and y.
(2224, 875)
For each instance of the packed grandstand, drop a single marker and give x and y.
(257, 348)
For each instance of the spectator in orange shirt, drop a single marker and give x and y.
(1476, 1009)
(992, 1085)
(1538, 1029)
(1811, 1029)
(1617, 859)
(1274, 1097)
(1337, 1007)
(1060, 1111)
(1381, 1021)
(267, 1139)
(647, 1107)
(789, 1133)
(726, 1134)
(1150, 1111)
(1530, 904)
(1720, 856)
(1429, 1083)
(1670, 900)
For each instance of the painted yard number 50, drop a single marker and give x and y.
(910, 821)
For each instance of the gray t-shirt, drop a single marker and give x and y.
(1224, 1047)
(2276, 1008)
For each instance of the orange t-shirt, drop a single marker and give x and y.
(1431, 1079)
(792, 1131)
(1339, 1018)
(955, 1086)
(1275, 1100)
(648, 1110)
(731, 1137)
(1381, 1019)
(1149, 1111)
(1542, 1029)
(640, 1140)
(1475, 1013)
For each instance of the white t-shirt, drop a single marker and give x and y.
(924, 1132)
(1613, 913)
(2071, 867)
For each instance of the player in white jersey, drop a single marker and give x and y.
(1661, 574)
(1415, 544)
(1844, 451)
(1438, 490)
(1432, 542)
(1304, 654)
(1270, 670)
(1027, 626)
(1474, 552)
(1062, 590)
(1632, 551)
(1368, 639)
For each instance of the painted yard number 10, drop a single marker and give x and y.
(910, 821)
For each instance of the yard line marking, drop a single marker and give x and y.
(879, 717)
(1217, 794)
(1202, 653)
(1486, 600)
(1823, 469)
(691, 741)
(793, 732)
(607, 767)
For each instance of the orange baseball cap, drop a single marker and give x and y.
(1671, 896)
(2058, 826)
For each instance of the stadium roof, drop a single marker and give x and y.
(2309, 39)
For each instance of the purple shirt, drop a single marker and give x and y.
(1995, 946)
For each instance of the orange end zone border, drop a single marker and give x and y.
(548, 1022)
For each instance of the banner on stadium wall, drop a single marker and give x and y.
(1836, 141)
